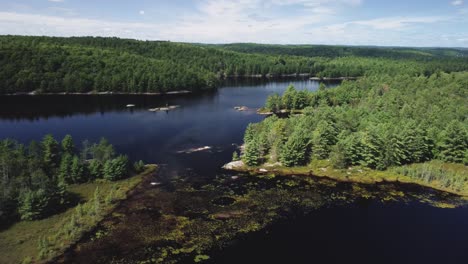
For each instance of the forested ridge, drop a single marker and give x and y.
(97, 64)
(346, 51)
(379, 122)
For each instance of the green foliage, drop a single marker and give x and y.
(139, 166)
(77, 170)
(35, 179)
(50, 153)
(449, 176)
(33, 204)
(378, 121)
(274, 103)
(95, 168)
(68, 146)
(65, 174)
(84, 64)
(295, 151)
(454, 143)
(235, 156)
(201, 258)
(103, 151)
(288, 97)
(338, 156)
(251, 155)
(116, 169)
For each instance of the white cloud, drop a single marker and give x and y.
(57, 1)
(393, 23)
(398, 31)
(32, 24)
(457, 2)
(262, 21)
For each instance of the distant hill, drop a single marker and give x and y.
(346, 51)
(97, 64)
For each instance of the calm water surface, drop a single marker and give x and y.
(363, 233)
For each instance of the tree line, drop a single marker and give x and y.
(378, 122)
(34, 178)
(97, 64)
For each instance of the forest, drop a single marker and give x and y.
(347, 51)
(35, 178)
(97, 64)
(378, 122)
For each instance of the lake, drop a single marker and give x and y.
(365, 231)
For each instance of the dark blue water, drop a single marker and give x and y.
(362, 233)
(207, 119)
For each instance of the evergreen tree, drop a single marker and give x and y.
(323, 138)
(288, 97)
(338, 156)
(372, 147)
(68, 146)
(116, 169)
(273, 103)
(454, 142)
(251, 155)
(51, 155)
(33, 204)
(295, 150)
(95, 169)
(65, 174)
(77, 171)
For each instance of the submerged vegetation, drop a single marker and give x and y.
(378, 122)
(185, 220)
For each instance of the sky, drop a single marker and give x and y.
(421, 23)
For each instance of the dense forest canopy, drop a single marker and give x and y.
(86, 64)
(34, 178)
(378, 121)
(346, 51)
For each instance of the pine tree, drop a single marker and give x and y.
(51, 156)
(116, 169)
(77, 171)
(288, 97)
(373, 146)
(251, 155)
(338, 156)
(273, 103)
(323, 138)
(65, 169)
(295, 151)
(68, 146)
(454, 143)
(95, 169)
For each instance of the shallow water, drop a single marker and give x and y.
(365, 230)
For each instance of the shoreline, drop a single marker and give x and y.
(338, 176)
(333, 78)
(64, 230)
(98, 93)
(144, 176)
(253, 76)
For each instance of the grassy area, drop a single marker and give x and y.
(448, 177)
(38, 241)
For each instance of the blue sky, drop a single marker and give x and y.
(345, 22)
